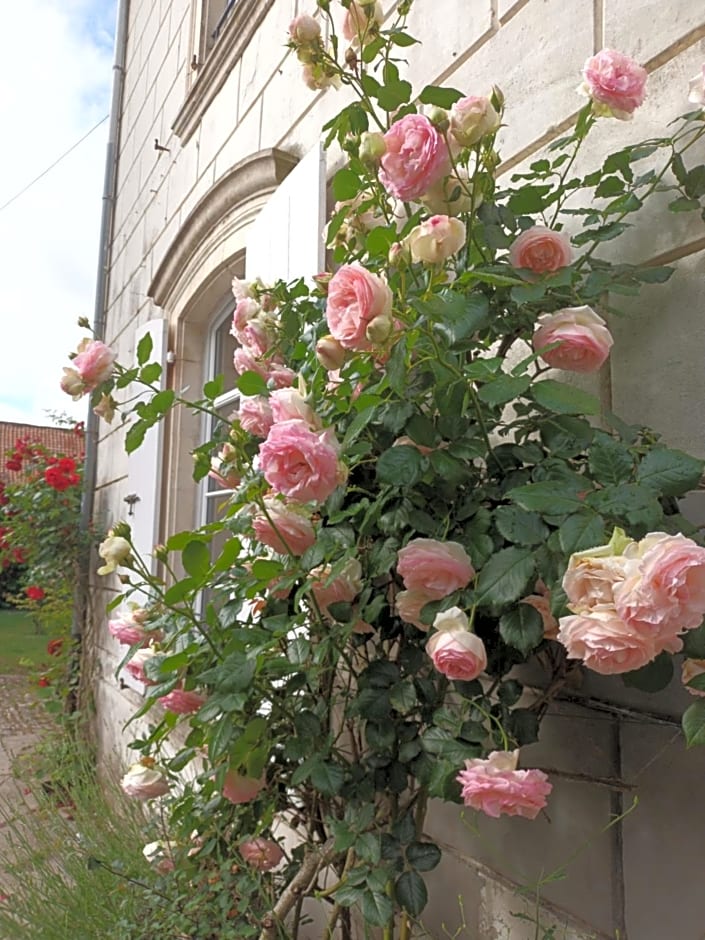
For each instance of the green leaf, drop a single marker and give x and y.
(610, 461)
(411, 892)
(653, 677)
(564, 399)
(150, 373)
(695, 182)
(528, 293)
(400, 38)
(144, 349)
(177, 592)
(135, 435)
(402, 696)
(670, 472)
(504, 388)
(522, 628)
(346, 184)
(196, 558)
(393, 94)
(266, 569)
(694, 724)
(637, 504)
(519, 526)
(551, 497)
(423, 856)
(505, 577)
(401, 466)
(581, 531)
(328, 778)
(440, 97)
(215, 387)
(694, 643)
(251, 383)
(683, 204)
(456, 316)
(163, 401)
(376, 908)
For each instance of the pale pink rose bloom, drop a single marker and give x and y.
(583, 338)
(224, 467)
(128, 628)
(667, 596)
(94, 363)
(455, 651)
(182, 702)
(262, 854)
(240, 789)
(144, 782)
(115, 551)
(135, 666)
(242, 288)
(696, 88)
(300, 463)
(541, 250)
(287, 405)
(290, 529)
(541, 602)
(72, 384)
(495, 787)
(689, 670)
(606, 644)
(330, 353)
(246, 309)
(434, 568)
(616, 83)
(591, 577)
(105, 408)
(304, 28)
(436, 239)
(318, 77)
(271, 370)
(471, 118)
(344, 587)
(355, 297)
(451, 195)
(258, 335)
(358, 20)
(409, 605)
(416, 157)
(255, 415)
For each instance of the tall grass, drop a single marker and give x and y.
(55, 845)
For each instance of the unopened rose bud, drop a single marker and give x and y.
(121, 529)
(330, 353)
(372, 147)
(379, 328)
(323, 280)
(84, 323)
(160, 552)
(399, 254)
(439, 118)
(351, 58)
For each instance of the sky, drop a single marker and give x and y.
(55, 85)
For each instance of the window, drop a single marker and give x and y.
(215, 16)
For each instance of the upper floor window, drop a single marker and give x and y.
(215, 15)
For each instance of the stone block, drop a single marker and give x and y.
(266, 51)
(644, 28)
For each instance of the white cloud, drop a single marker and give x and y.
(55, 85)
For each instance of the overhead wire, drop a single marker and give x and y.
(56, 162)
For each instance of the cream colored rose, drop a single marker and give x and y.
(115, 551)
(436, 239)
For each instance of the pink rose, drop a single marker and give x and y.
(128, 628)
(92, 366)
(416, 157)
(344, 587)
(616, 84)
(182, 702)
(471, 118)
(409, 605)
(246, 309)
(454, 650)
(360, 22)
(696, 88)
(356, 297)
(667, 594)
(434, 568)
(436, 239)
(135, 666)
(300, 463)
(255, 415)
(240, 789)
(262, 854)
(606, 644)
(584, 340)
(144, 782)
(304, 28)
(541, 250)
(495, 787)
(286, 529)
(689, 670)
(592, 575)
(287, 405)
(224, 467)
(271, 370)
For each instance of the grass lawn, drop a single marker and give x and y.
(20, 641)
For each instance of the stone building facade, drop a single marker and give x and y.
(219, 171)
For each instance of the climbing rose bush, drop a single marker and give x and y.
(421, 499)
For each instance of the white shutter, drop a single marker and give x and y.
(286, 240)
